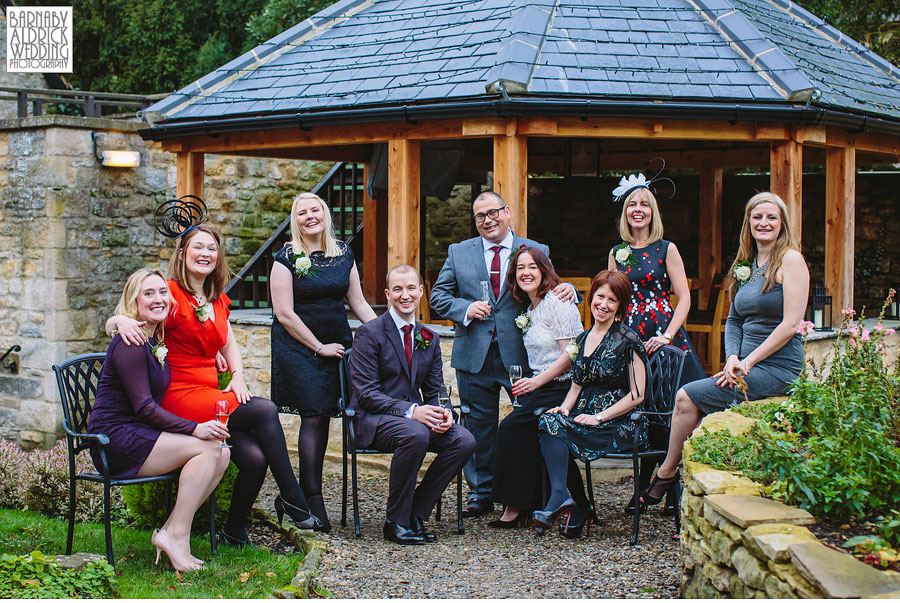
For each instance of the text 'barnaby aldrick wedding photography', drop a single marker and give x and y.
(39, 39)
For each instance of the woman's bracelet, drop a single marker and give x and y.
(667, 337)
(318, 349)
(599, 416)
(241, 371)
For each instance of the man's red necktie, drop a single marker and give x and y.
(407, 344)
(495, 270)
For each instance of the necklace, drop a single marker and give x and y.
(201, 299)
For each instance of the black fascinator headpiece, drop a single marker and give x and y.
(635, 181)
(177, 217)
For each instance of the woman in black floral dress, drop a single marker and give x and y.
(311, 277)
(609, 379)
(654, 267)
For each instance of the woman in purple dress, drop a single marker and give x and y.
(145, 439)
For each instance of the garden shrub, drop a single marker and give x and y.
(11, 460)
(146, 503)
(37, 576)
(45, 486)
(832, 447)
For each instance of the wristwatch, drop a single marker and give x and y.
(667, 337)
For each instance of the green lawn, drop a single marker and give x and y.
(137, 577)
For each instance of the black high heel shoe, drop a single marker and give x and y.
(301, 518)
(658, 488)
(629, 508)
(232, 541)
(578, 520)
(545, 519)
(502, 524)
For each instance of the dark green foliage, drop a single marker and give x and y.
(832, 447)
(277, 16)
(37, 576)
(146, 503)
(871, 22)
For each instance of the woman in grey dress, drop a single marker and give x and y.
(769, 286)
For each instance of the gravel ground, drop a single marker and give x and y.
(490, 563)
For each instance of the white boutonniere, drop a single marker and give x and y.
(572, 350)
(159, 351)
(624, 255)
(202, 312)
(742, 272)
(303, 266)
(523, 321)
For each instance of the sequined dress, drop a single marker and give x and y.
(650, 309)
(303, 383)
(605, 377)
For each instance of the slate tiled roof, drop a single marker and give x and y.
(363, 53)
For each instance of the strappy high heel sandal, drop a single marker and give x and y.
(658, 488)
(301, 518)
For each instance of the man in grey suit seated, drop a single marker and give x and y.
(396, 371)
(487, 341)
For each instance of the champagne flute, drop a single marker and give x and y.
(444, 392)
(485, 292)
(515, 373)
(223, 410)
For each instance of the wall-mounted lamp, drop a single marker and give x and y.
(122, 159)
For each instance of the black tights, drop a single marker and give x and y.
(257, 441)
(565, 478)
(311, 444)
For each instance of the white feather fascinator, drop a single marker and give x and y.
(628, 185)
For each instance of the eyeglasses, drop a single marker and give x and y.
(491, 213)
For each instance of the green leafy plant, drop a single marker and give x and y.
(37, 576)
(146, 503)
(11, 461)
(831, 447)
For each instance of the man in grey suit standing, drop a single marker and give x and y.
(486, 341)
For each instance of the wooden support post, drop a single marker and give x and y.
(403, 202)
(840, 223)
(786, 179)
(511, 178)
(710, 235)
(374, 244)
(189, 174)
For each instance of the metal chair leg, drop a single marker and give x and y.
(344, 478)
(71, 533)
(355, 490)
(590, 489)
(437, 511)
(636, 466)
(106, 525)
(459, 518)
(212, 522)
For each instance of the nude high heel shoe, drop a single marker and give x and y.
(160, 539)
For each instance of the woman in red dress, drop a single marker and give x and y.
(196, 330)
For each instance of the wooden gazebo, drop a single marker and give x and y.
(713, 84)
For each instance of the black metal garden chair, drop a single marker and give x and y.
(349, 449)
(77, 379)
(665, 367)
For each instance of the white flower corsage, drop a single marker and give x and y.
(624, 255)
(572, 350)
(742, 272)
(303, 266)
(159, 351)
(523, 321)
(203, 312)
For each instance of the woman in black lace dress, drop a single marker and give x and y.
(609, 379)
(311, 277)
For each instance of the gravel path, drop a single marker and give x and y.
(491, 563)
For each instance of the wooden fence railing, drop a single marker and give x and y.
(92, 102)
(342, 188)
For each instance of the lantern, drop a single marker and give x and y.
(819, 310)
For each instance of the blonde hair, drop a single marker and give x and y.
(329, 242)
(216, 281)
(127, 305)
(747, 251)
(656, 225)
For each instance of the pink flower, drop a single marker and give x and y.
(878, 328)
(853, 330)
(806, 327)
(853, 343)
(865, 335)
(848, 312)
(889, 331)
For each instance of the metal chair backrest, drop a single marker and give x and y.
(77, 379)
(344, 371)
(665, 374)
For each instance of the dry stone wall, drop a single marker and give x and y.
(736, 544)
(71, 232)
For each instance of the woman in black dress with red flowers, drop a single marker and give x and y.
(654, 267)
(311, 277)
(144, 438)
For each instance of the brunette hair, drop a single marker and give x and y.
(215, 282)
(549, 278)
(127, 305)
(619, 284)
(329, 242)
(656, 225)
(748, 249)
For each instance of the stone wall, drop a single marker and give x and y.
(736, 544)
(72, 231)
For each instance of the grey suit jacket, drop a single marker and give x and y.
(382, 383)
(457, 286)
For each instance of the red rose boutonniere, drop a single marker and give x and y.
(423, 338)
(515, 251)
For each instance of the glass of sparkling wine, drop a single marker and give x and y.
(485, 292)
(222, 411)
(515, 373)
(444, 395)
